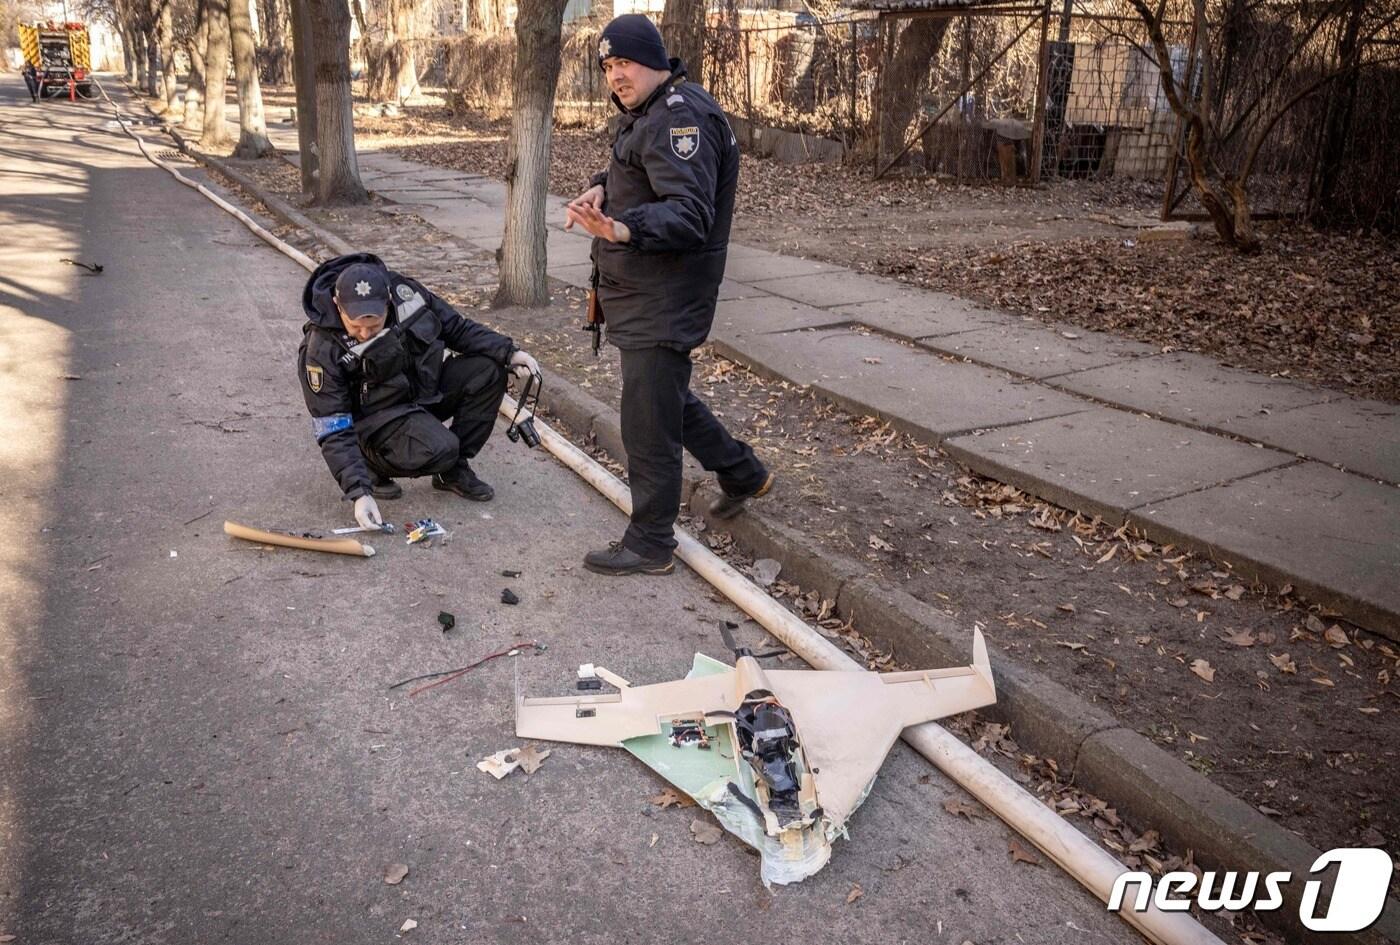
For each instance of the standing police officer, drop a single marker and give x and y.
(660, 217)
(373, 373)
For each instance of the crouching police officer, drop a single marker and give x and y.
(660, 217)
(373, 372)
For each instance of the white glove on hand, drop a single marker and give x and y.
(367, 513)
(521, 364)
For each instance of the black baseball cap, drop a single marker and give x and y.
(362, 291)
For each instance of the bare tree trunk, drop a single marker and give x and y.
(537, 58)
(152, 83)
(214, 134)
(194, 88)
(904, 76)
(304, 70)
(165, 33)
(338, 171)
(683, 28)
(252, 125)
(1337, 128)
(392, 69)
(275, 27)
(487, 16)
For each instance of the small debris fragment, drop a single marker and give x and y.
(395, 873)
(510, 574)
(500, 764)
(705, 833)
(508, 597)
(765, 571)
(408, 926)
(530, 758)
(1203, 669)
(855, 893)
(446, 620)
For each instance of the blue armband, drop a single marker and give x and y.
(325, 426)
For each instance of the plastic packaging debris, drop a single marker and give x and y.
(508, 597)
(423, 529)
(509, 573)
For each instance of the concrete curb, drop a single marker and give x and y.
(1146, 784)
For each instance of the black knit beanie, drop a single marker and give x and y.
(633, 36)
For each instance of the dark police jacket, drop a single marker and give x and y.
(351, 396)
(671, 180)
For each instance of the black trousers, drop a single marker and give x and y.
(417, 444)
(660, 417)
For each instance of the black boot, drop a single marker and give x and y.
(382, 487)
(464, 483)
(618, 560)
(728, 506)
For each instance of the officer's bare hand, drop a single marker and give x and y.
(522, 365)
(597, 223)
(592, 197)
(367, 513)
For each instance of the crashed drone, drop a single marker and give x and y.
(781, 758)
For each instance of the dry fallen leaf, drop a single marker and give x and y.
(395, 873)
(671, 798)
(957, 806)
(1336, 636)
(1146, 842)
(651, 843)
(530, 758)
(1240, 638)
(855, 893)
(704, 832)
(1369, 710)
(1019, 854)
(1203, 669)
(879, 544)
(1070, 646)
(1323, 681)
(1284, 662)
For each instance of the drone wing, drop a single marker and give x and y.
(847, 721)
(632, 711)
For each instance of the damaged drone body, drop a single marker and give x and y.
(782, 758)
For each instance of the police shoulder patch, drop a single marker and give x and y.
(315, 378)
(685, 142)
(673, 100)
(404, 290)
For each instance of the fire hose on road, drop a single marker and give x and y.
(1079, 856)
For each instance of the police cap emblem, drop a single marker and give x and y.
(605, 48)
(362, 289)
(685, 142)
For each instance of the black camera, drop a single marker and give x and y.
(524, 430)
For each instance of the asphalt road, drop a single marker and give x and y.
(197, 742)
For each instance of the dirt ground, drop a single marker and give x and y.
(1311, 305)
(1264, 694)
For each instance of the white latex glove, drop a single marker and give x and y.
(521, 364)
(367, 513)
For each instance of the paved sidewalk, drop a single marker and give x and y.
(1285, 481)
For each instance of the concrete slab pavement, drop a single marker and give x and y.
(1331, 534)
(1106, 462)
